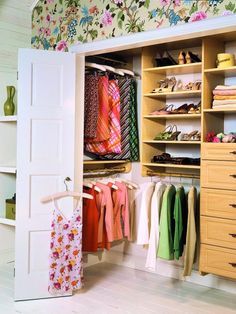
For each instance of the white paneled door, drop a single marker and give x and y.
(45, 156)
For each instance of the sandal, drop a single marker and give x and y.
(166, 85)
(162, 136)
(197, 85)
(197, 137)
(163, 111)
(181, 58)
(162, 158)
(191, 58)
(188, 86)
(180, 110)
(195, 108)
(188, 136)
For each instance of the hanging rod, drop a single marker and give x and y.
(175, 174)
(103, 171)
(109, 59)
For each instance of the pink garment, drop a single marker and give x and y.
(105, 205)
(66, 270)
(229, 92)
(113, 144)
(121, 212)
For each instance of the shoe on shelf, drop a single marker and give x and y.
(195, 108)
(162, 158)
(165, 59)
(170, 133)
(188, 136)
(181, 58)
(181, 110)
(197, 85)
(165, 110)
(166, 85)
(191, 58)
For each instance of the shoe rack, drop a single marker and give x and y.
(218, 167)
(153, 124)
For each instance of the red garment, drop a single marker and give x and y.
(90, 222)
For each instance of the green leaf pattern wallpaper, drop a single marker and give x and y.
(58, 24)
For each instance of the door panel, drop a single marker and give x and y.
(45, 156)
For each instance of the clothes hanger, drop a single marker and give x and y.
(66, 193)
(105, 181)
(95, 66)
(129, 72)
(114, 70)
(90, 185)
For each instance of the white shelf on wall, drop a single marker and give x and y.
(8, 118)
(7, 169)
(8, 222)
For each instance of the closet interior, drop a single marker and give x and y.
(176, 116)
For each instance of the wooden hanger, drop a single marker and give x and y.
(90, 185)
(114, 70)
(129, 72)
(66, 193)
(95, 66)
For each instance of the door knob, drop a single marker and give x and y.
(232, 205)
(233, 235)
(232, 264)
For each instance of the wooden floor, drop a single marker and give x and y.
(111, 289)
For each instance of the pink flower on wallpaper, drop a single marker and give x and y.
(198, 16)
(177, 2)
(61, 45)
(118, 1)
(47, 31)
(165, 2)
(49, 1)
(106, 18)
(227, 12)
(48, 18)
(40, 30)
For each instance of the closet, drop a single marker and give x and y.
(50, 144)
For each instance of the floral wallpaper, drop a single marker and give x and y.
(57, 24)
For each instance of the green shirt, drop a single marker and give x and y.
(180, 209)
(166, 247)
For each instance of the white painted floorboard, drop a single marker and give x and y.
(112, 289)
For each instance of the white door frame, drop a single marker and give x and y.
(214, 26)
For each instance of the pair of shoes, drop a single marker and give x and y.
(166, 85)
(186, 58)
(166, 158)
(192, 136)
(170, 133)
(192, 85)
(195, 108)
(165, 110)
(165, 59)
(183, 109)
(162, 158)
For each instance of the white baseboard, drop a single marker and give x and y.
(167, 269)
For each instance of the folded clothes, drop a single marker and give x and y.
(225, 87)
(229, 92)
(224, 102)
(218, 97)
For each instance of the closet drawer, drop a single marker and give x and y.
(216, 231)
(219, 261)
(218, 151)
(218, 203)
(217, 174)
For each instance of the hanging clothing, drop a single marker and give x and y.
(144, 208)
(91, 105)
(102, 131)
(113, 144)
(124, 88)
(121, 212)
(191, 237)
(166, 247)
(90, 222)
(66, 269)
(105, 207)
(134, 138)
(154, 231)
(180, 217)
(132, 214)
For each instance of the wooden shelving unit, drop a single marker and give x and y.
(175, 94)
(226, 72)
(154, 124)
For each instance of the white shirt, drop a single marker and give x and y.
(154, 232)
(144, 207)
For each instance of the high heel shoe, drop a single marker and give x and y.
(191, 58)
(165, 85)
(181, 58)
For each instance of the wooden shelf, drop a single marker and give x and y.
(173, 142)
(97, 162)
(8, 118)
(178, 94)
(8, 222)
(7, 169)
(176, 69)
(227, 72)
(226, 110)
(173, 116)
(171, 166)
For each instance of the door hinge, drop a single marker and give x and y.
(14, 273)
(17, 75)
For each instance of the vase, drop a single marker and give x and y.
(9, 106)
